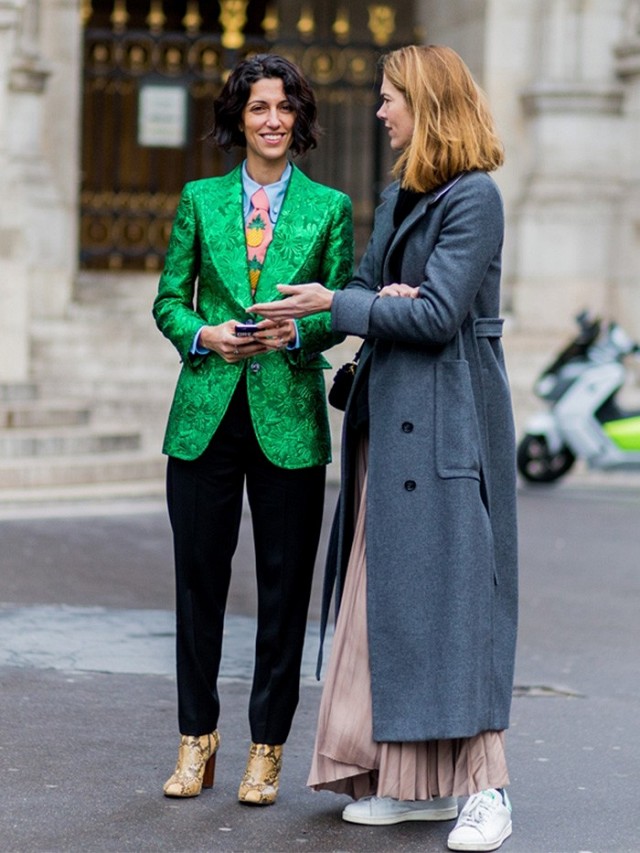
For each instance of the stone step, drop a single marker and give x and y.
(11, 392)
(106, 336)
(66, 441)
(82, 351)
(53, 473)
(102, 365)
(119, 497)
(40, 413)
(128, 292)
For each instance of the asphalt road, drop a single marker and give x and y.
(87, 696)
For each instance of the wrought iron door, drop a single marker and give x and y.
(151, 72)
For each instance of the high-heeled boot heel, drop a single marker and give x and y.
(196, 766)
(259, 786)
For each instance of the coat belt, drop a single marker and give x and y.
(488, 327)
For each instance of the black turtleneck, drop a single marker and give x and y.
(406, 201)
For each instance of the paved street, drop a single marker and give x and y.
(87, 694)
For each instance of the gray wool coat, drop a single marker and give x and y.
(441, 508)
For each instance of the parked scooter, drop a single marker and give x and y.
(584, 420)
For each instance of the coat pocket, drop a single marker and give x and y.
(457, 433)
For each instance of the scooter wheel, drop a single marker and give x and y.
(538, 465)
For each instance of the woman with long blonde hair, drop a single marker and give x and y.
(423, 557)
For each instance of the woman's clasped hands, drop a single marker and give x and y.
(400, 290)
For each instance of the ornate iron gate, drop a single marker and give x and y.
(151, 71)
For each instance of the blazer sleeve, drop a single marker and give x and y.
(173, 307)
(468, 242)
(335, 270)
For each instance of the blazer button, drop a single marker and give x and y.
(255, 367)
(410, 485)
(407, 426)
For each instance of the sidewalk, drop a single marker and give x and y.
(87, 693)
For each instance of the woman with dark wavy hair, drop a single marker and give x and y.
(227, 130)
(249, 409)
(423, 556)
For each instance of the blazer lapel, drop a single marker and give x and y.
(298, 224)
(223, 228)
(293, 237)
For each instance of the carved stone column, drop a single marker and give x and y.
(52, 169)
(14, 243)
(567, 216)
(628, 261)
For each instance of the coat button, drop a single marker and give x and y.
(410, 485)
(255, 367)
(407, 426)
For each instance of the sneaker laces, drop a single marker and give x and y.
(480, 810)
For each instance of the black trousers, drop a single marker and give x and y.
(205, 506)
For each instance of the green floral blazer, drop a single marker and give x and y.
(206, 281)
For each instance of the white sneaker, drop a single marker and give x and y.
(484, 822)
(382, 811)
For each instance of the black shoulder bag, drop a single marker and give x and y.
(343, 383)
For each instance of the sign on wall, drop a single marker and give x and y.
(162, 116)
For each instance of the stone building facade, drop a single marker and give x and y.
(563, 79)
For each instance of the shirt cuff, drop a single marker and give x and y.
(196, 349)
(296, 343)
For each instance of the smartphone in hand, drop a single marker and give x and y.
(245, 330)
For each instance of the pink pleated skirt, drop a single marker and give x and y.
(346, 759)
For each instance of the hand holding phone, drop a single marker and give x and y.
(245, 330)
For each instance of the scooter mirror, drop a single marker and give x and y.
(620, 339)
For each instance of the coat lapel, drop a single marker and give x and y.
(413, 218)
(293, 238)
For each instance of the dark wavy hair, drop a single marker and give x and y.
(228, 106)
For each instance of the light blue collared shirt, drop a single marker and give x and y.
(275, 193)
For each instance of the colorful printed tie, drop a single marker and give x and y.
(259, 233)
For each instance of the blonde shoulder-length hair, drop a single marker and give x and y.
(453, 127)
